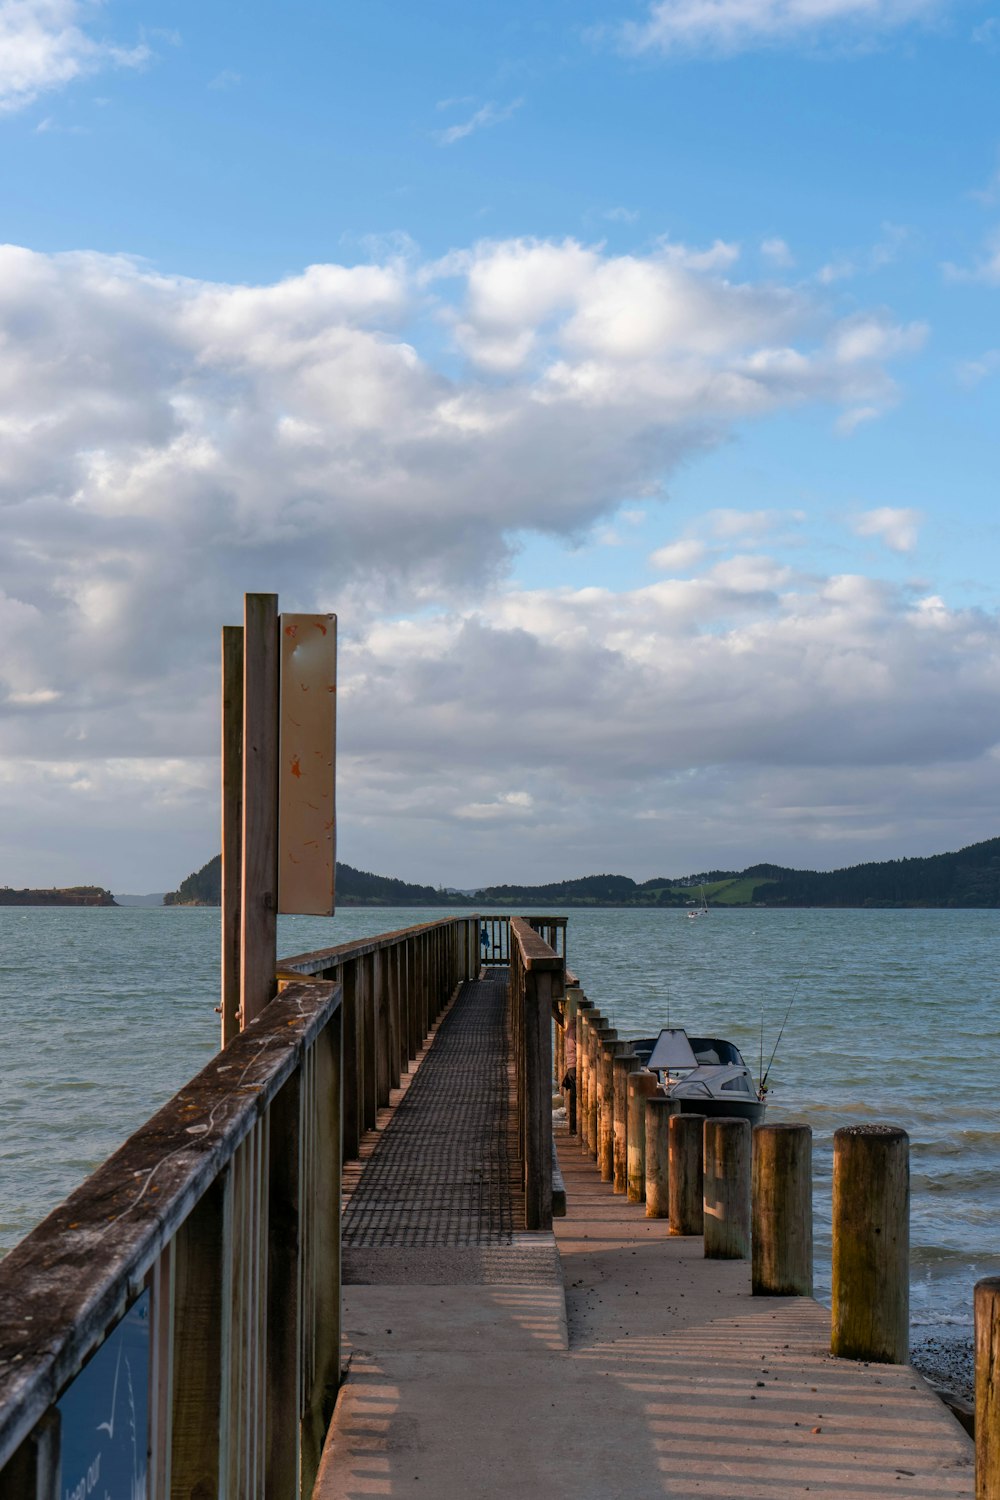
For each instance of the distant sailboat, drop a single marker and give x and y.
(702, 910)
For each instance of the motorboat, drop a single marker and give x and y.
(704, 1074)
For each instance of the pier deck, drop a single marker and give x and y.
(606, 1359)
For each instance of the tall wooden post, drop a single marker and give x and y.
(232, 826)
(686, 1191)
(986, 1303)
(871, 1244)
(727, 1189)
(620, 1070)
(781, 1208)
(659, 1110)
(641, 1085)
(258, 945)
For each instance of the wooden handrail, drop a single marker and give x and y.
(536, 985)
(64, 1287)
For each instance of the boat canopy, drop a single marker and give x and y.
(671, 1051)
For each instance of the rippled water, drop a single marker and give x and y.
(895, 1018)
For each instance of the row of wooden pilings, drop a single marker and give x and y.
(749, 1193)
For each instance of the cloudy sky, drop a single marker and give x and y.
(624, 373)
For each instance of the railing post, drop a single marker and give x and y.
(369, 1004)
(537, 1031)
(727, 1189)
(283, 1402)
(781, 1208)
(203, 1343)
(353, 1025)
(871, 1244)
(33, 1472)
(380, 981)
(320, 1395)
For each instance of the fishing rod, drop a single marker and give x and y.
(760, 1064)
(763, 1082)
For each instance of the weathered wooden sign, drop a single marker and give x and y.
(307, 848)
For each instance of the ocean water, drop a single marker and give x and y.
(894, 1018)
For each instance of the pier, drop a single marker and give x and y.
(366, 1266)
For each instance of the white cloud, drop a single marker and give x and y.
(986, 269)
(730, 524)
(488, 114)
(44, 45)
(621, 215)
(166, 444)
(972, 372)
(747, 711)
(865, 262)
(898, 528)
(777, 252)
(678, 557)
(729, 26)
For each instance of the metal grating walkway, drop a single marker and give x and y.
(444, 1171)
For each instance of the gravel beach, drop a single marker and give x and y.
(946, 1360)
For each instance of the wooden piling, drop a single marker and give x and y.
(641, 1085)
(595, 1021)
(686, 1189)
(583, 1010)
(623, 1065)
(871, 1244)
(727, 1189)
(608, 1048)
(659, 1112)
(571, 1057)
(781, 1211)
(986, 1303)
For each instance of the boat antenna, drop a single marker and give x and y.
(763, 1081)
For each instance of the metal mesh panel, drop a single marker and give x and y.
(444, 1172)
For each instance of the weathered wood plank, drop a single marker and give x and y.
(232, 826)
(201, 1288)
(258, 945)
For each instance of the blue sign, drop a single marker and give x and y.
(104, 1432)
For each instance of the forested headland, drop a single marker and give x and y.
(969, 877)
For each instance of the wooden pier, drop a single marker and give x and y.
(386, 1123)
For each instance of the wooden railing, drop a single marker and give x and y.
(494, 936)
(395, 986)
(225, 1209)
(536, 989)
(217, 1227)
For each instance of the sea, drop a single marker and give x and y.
(884, 1016)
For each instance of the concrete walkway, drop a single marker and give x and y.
(651, 1372)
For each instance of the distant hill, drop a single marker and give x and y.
(354, 888)
(72, 895)
(969, 877)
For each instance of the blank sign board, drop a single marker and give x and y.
(307, 849)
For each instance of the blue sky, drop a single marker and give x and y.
(650, 358)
